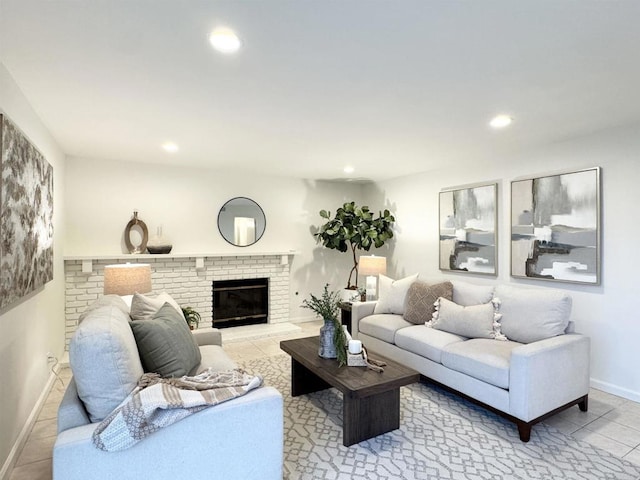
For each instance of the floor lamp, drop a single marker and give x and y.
(372, 266)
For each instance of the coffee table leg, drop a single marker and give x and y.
(364, 418)
(304, 381)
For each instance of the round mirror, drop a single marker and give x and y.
(241, 222)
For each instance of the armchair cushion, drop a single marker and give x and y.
(165, 343)
(104, 339)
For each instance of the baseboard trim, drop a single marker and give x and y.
(11, 460)
(616, 390)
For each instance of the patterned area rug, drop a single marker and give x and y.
(441, 436)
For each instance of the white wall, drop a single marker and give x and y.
(607, 313)
(101, 196)
(35, 325)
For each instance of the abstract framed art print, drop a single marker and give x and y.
(468, 240)
(26, 216)
(555, 227)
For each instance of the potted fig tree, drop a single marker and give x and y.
(355, 228)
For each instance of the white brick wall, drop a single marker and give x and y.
(180, 279)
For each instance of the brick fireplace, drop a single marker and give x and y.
(187, 278)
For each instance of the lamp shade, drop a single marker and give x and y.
(372, 265)
(127, 279)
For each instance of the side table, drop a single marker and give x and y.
(345, 314)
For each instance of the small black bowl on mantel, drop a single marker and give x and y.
(159, 249)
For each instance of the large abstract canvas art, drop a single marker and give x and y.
(468, 229)
(555, 227)
(26, 216)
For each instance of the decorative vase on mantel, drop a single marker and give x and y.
(158, 243)
(327, 347)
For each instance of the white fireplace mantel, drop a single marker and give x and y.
(87, 260)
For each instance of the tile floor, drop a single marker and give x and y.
(612, 423)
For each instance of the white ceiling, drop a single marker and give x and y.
(389, 87)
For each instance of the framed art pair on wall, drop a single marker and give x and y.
(555, 228)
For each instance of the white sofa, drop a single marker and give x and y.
(238, 439)
(545, 371)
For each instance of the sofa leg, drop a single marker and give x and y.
(524, 429)
(583, 405)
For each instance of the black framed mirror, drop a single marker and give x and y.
(241, 221)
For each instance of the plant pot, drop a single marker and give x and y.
(327, 347)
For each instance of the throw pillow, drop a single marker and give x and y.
(475, 321)
(529, 315)
(165, 343)
(467, 294)
(144, 306)
(392, 294)
(421, 298)
(104, 360)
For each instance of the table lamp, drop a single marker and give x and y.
(127, 279)
(372, 266)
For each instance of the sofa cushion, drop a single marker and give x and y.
(467, 294)
(419, 306)
(104, 360)
(426, 342)
(529, 315)
(383, 326)
(392, 294)
(475, 321)
(106, 300)
(144, 306)
(485, 359)
(165, 343)
(213, 356)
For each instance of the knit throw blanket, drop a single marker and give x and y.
(157, 402)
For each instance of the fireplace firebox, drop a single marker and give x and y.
(240, 302)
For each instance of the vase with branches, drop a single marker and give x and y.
(332, 337)
(355, 228)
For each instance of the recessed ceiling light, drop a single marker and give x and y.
(501, 121)
(170, 147)
(349, 169)
(225, 40)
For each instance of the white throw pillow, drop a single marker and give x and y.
(475, 321)
(144, 307)
(392, 294)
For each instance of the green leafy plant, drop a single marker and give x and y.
(191, 316)
(355, 228)
(327, 306)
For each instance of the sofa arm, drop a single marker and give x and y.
(548, 374)
(71, 412)
(359, 310)
(238, 439)
(207, 336)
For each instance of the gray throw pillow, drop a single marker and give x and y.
(165, 343)
(420, 299)
(475, 321)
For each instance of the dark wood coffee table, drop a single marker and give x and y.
(371, 400)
